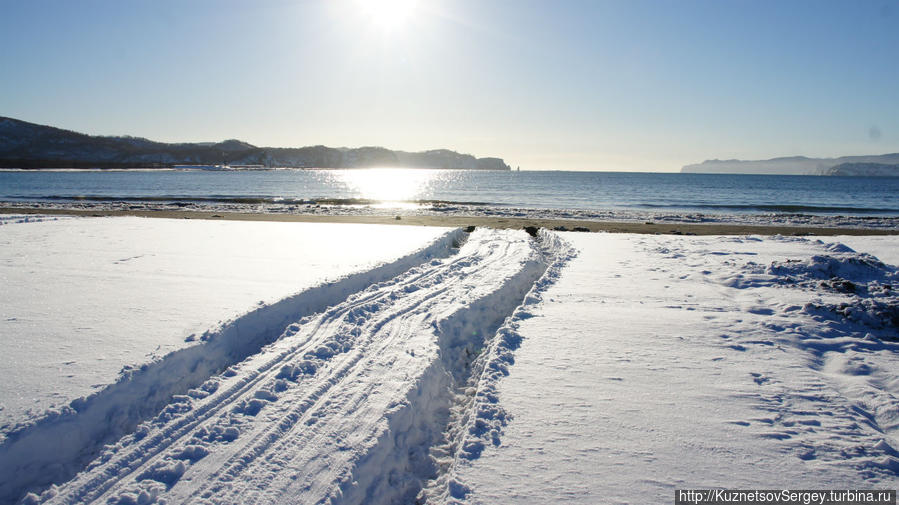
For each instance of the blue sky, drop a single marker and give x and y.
(567, 85)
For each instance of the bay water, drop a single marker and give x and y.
(583, 191)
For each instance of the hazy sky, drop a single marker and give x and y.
(549, 84)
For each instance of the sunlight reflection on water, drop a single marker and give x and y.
(392, 184)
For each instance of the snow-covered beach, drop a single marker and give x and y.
(228, 362)
(466, 252)
(664, 362)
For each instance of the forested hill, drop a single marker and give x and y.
(28, 145)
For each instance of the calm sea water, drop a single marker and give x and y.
(547, 190)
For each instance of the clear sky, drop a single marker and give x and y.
(545, 84)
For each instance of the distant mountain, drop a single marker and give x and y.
(29, 145)
(865, 169)
(797, 165)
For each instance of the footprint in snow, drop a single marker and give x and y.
(191, 452)
(166, 472)
(759, 378)
(250, 407)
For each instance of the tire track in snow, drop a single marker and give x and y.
(477, 418)
(146, 454)
(342, 408)
(53, 449)
(267, 435)
(315, 435)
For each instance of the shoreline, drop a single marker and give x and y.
(453, 221)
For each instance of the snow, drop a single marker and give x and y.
(342, 408)
(659, 362)
(482, 367)
(882, 247)
(83, 298)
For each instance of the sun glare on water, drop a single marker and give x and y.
(393, 185)
(388, 15)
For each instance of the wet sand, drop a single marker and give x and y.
(463, 221)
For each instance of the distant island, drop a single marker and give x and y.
(32, 146)
(871, 165)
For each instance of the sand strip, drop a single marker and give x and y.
(461, 221)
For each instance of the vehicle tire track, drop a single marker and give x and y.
(151, 449)
(341, 371)
(336, 392)
(60, 445)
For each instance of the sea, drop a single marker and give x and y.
(586, 192)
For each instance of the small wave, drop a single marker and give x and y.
(244, 200)
(157, 199)
(789, 209)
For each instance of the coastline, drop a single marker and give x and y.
(498, 222)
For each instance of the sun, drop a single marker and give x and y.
(389, 15)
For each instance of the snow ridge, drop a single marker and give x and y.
(468, 340)
(53, 448)
(478, 418)
(860, 286)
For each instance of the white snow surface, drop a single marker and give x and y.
(493, 367)
(658, 363)
(82, 298)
